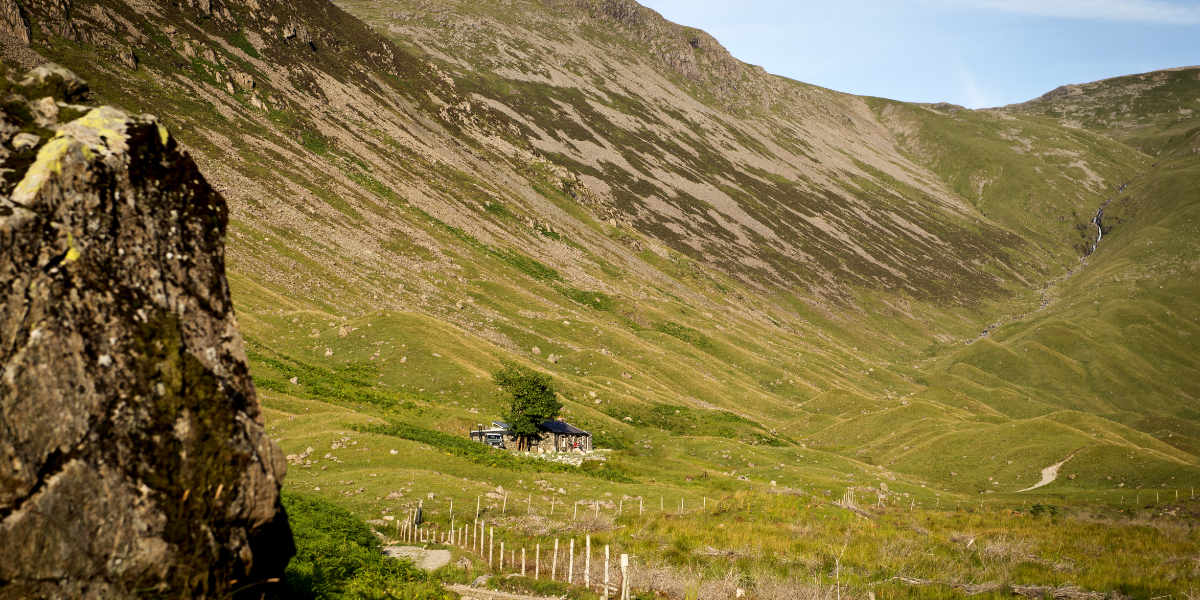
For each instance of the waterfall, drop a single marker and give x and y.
(1098, 221)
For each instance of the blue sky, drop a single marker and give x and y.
(971, 52)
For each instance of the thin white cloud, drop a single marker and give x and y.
(1140, 11)
(973, 96)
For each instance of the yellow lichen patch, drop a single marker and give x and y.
(49, 160)
(163, 134)
(103, 126)
(72, 251)
(100, 132)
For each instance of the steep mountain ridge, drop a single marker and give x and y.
(688, 244)
(801, 174)
(1157, 112)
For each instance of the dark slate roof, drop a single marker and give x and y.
(554, 426)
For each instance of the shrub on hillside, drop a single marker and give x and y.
(338, 557)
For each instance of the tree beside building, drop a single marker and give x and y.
(532, 401)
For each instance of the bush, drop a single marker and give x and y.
(1041, 509)
(339, 557)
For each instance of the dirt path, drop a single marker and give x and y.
(472, 593)
(1049, 474)
(428, 560)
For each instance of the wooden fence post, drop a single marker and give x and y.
(624, 577)
(641, 506)
(537, 561)
(604, 594)
(596, 504)
(571, 563)
(587, 561)
(522, 561)
(575, 515)
(491, 544)
(501, 556)
(554, 562)
(504, 507)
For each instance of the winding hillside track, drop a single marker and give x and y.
(424, 558)
(1049, 474)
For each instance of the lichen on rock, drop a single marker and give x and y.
(133, 460)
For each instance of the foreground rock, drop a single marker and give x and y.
(133, 461)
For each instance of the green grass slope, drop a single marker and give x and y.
(751, 290)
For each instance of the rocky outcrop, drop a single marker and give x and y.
(13, 22)
(689, 53)
(133, 460)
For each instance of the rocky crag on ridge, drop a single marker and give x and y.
(133, 460)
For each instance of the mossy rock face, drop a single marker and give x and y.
(133, 461)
